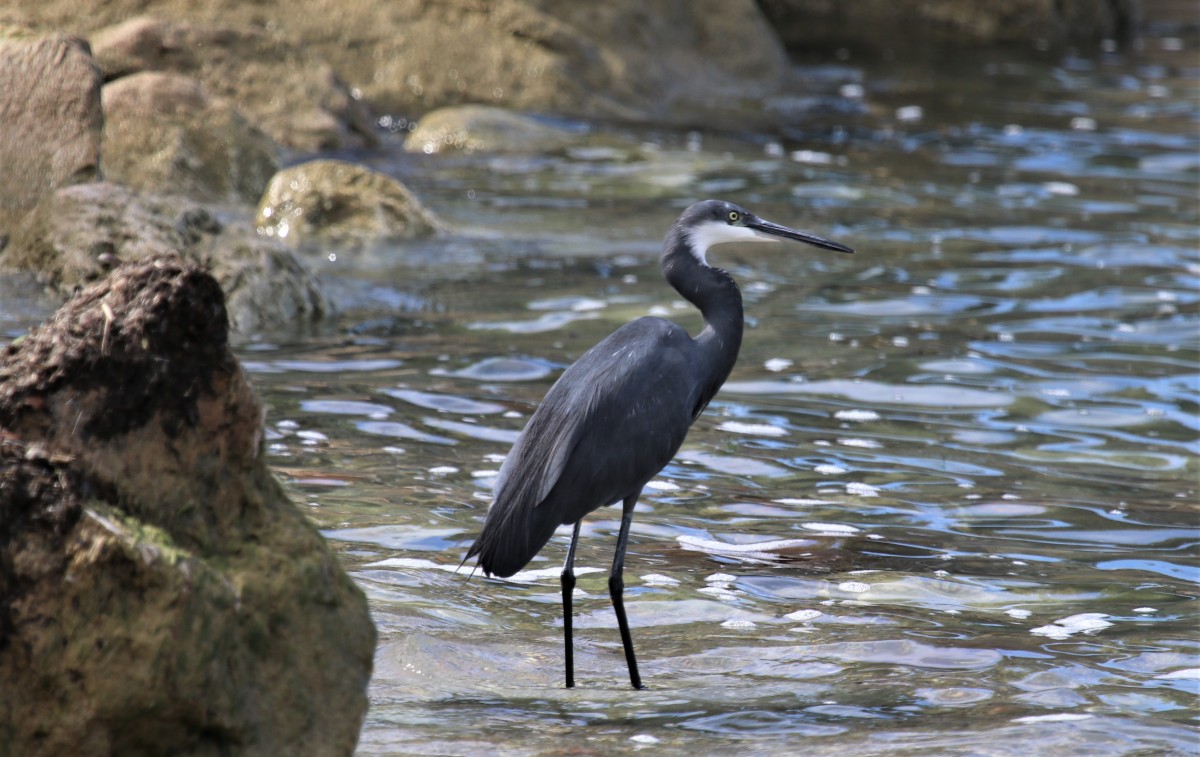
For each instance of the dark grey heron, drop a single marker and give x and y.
(616, 416)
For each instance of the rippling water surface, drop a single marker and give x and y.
(947, 502)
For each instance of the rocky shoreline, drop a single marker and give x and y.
(185, 110)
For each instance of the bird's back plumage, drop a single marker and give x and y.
(600, 409)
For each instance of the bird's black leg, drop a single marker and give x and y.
(568, 588)
(616, 590)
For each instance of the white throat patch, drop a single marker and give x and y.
(718, 232)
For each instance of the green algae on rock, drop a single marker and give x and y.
(341, 205)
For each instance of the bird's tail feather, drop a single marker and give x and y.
(511, 537)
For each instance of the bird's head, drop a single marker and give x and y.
(713, 222)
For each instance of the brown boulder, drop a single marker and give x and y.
(163, 133)
(667, 61)
(51, 117)
(144, 44)
(277, 84)
(671, 60)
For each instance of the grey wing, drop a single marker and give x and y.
(609, 424)
(540, 452)
(628, 397)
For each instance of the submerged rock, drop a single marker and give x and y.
(158, 592)
(266, 285)
(50, 118)
(341, 205)
(469, 128)
(78, 234)
(163, 133)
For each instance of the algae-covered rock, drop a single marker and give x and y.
(163, 133)
(50, 119)
(159, 594)
(78, 234)
(341, 205)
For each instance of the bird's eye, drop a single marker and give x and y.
(734, 216)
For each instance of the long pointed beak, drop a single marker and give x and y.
(775, 230)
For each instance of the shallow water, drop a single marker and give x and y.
(947, 502)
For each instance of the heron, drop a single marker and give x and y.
(618, 414)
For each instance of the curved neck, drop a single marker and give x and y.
(715, 293)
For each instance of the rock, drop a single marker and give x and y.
(469, 128)
(278, 85)
(686, 62)
(670, 61)
(341, 205)
(163, 133)
(76, 235)
(144, 44)
(158, 592)
(51, 116)
(80, 233)
(666, 61)
(265, 284)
